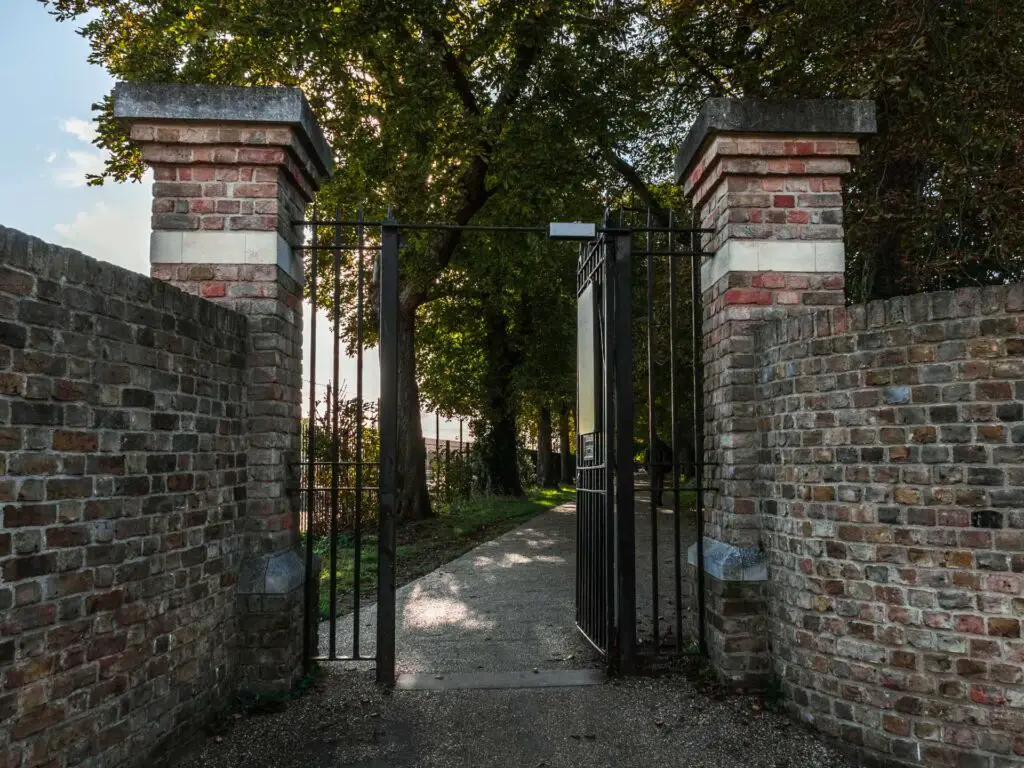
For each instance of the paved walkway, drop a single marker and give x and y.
(507, 605)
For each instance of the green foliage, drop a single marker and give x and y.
(934, 201)
(454, 474)
(541, 110)
(342, 435)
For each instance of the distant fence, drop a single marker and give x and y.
(449, 477)
(449, 470)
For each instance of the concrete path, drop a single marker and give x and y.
(506, 606)
(504, 609)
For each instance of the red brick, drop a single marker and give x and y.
(83, 442)
(248, 190)
(261, 156)
(35, 721)
(770, 280)
(1001, 627)
(228, 206)
(213, 290)
(748, 296)
(972, 624)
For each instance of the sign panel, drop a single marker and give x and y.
(586, 363)
(572, 230)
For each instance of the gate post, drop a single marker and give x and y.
(234, 168)
(765, 179)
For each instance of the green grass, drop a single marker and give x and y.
(429, 544)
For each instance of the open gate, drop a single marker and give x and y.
(639, 594)
(349, 444)
(605, 588)
(349, 470)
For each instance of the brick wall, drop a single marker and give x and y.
(123, 466)
(891, 498)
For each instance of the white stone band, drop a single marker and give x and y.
(203, 247)
(773, 256)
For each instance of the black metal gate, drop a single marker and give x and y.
(605, 585)
(630, 348)
(348, 464)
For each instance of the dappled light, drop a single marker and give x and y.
(506, 605)
(432, 612)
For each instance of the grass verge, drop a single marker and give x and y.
(428, 544)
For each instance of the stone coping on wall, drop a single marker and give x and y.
(225, 104)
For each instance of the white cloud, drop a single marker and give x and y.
(83, 130)
(73, 172)
(113, 232)
(77, 163)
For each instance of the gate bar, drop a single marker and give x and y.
(357, 554)
(625, 532)
(652, 435)
(696, 305)
(388, 446)
(333, 607)
(607, 601)
(312, 590)
(676, 512)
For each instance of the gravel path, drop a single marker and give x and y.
(666, 558)
(347, 721)
(508, 605)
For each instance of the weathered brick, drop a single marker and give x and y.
(65, 482)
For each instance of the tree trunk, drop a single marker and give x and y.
(565, 454)
(544, 457)
(499, 446)
(500, 455)
(413, 498)
(687, 458)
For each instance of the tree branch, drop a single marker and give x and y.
(451, 64)
(632, 177)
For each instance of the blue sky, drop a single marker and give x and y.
(47, 88)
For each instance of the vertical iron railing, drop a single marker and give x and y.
(357, 534)
(677, 534)
(653, 454)
(621, 355)
(342, 484)
(386, 545)
(312, 613)
(698, 430)
(332, 606)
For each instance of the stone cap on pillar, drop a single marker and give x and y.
(234, 169)
(765, 178)
(184, 103)
(795, 117)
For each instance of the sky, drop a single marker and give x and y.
(47, 88)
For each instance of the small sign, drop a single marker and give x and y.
(589, 447)
(572, 230)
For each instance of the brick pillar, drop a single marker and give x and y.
(766, 177)
(233, 168)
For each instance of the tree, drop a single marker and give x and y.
(934, 201)
(434, 108)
